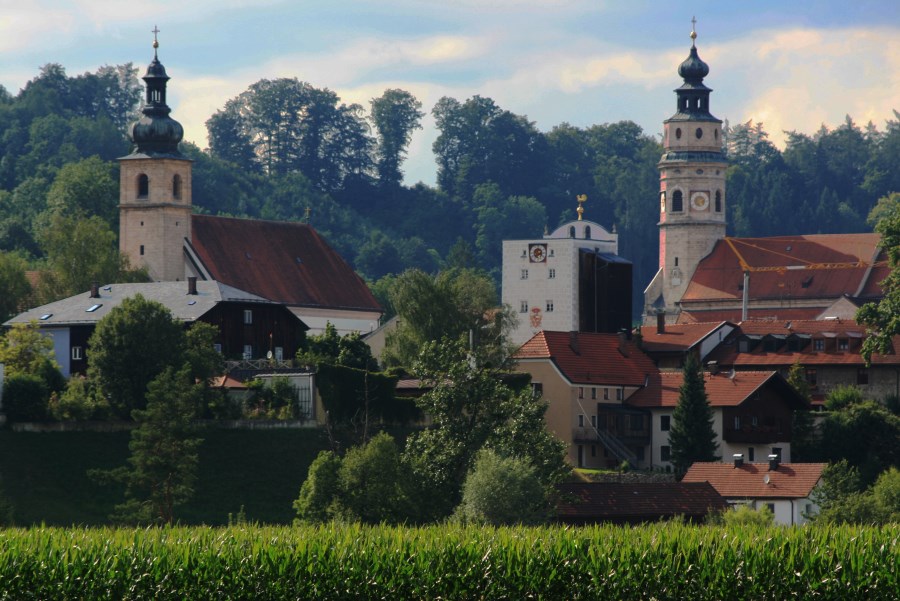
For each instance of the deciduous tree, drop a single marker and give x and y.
(395, 115)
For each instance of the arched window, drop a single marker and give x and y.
(718, 201)
(587, 232)
(572, 231)
(143, 186)
(176, 187)
(678, 133)
(677, 201)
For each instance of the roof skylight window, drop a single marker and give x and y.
(92, 308)
(46, 316)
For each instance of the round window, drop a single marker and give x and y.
(699, 133)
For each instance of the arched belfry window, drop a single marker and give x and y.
(677, 201)
(718, 201)
(587, 232)
(143, 186)
(572, 231)
(176, 187)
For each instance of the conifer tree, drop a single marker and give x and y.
(692, 437)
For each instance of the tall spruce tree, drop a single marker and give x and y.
(692, 436)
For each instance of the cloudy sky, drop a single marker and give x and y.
(790, 65)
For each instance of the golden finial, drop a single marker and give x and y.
(581, 198)
(155, 31)
(693, 30)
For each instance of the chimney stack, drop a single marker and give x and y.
(661, 322)
(95, 290)
(713, 367)
(573, 342)
(623, 337)
(192, 284)
(738, 460)
(773, 462)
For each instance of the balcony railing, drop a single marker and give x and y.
(757, 434)
(258, 364)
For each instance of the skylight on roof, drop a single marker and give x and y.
(46, 316)
(192, 302)
(92, 308)
(107, 288)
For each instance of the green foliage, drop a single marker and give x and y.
(162, 467)
(272, 398)
(354, 397)
(200, 351)
(80, 401)
(341, 561)
(332, 349)
(843, 501)
(744, 516)
(14, 284)
(25, 350)
(122, 368)
(692, 436)
(883, 317)
(842, 397)
(865, 434)
(395, 114)
(84, 189)
(320, 491)
(25, 398)
(470, 409)
(502, 491)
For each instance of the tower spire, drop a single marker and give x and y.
(156, 133)
(155, 31)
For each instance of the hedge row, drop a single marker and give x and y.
(664, 561)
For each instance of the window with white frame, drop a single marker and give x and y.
(76, 353)
(279, 353)
(552, 274)
(248, 316)
(248, 351)
(523, 306)
(524, 275)
(549, 306)
(620, 394)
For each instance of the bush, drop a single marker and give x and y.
(842, 397)
(743, 515)
(26, 398)
(80, 401)
(502, 490)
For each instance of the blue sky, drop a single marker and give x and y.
(789, 65)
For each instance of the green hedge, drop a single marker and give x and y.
(662, 561)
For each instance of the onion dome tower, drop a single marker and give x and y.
(155, 185)
(691, 189)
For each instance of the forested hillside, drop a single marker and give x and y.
(286, 150)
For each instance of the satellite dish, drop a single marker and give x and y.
(767, 479)
(269, 355)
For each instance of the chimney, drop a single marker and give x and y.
(573, 342)
(773, 462)
(738, 460)
(623, 338)
(713, 367)
(95, 290)
(192, 284)
(661, 322)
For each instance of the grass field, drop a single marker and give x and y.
(44, 475)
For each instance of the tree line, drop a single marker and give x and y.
(287, 150)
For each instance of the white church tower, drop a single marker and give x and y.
(691, 191)
(155, 186)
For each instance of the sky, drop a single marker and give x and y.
(790, 65)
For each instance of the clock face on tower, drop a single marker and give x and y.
(699, 201)
(537, 253)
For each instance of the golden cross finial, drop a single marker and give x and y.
(581, 198)
(693, 30)
(155, 31)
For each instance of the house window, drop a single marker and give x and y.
(843, 344)
(819, 344)
(218, 347)
(862, 376)
(665, 423)
(552, 274)
(524, 275)
(537, 389)
(572, 231)
(718, 201)
(771, 507)
(620, 394)
(665, 453)
(593, 394)
(737, 422)
(143, 186)
(523, 306)
(594, 421)
(580, 420)
(777, 451)
(552, 254)
(580, 392)
(593, 450)
(549, 306)
(279, 353)
(524, 253)
(248, 316)
(176, 187)
(677, 201)
(248, 351)
(142, 250)
(811, 377)
(587, 232)
(606, 394)
(637, 422)
(76, 353)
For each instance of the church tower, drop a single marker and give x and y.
(155, 186)
(691, 190)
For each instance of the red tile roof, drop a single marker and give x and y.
(789, 481)
(635, 502)
(676, 337)
(286, 262)
(719, 275)
(734, 315)
(590, 358)
(722, 390)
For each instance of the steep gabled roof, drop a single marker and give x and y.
(719, 276)
(789, 481)
(635, 502)
(590, 358)
(676, 337)
(722, 390)
(286, 262)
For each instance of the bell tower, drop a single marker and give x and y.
(691, 190)
(155, 185)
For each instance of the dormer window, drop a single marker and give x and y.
(176, 187)
(143, 186)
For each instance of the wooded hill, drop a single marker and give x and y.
(286, 150)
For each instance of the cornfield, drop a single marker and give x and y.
(662, 561)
